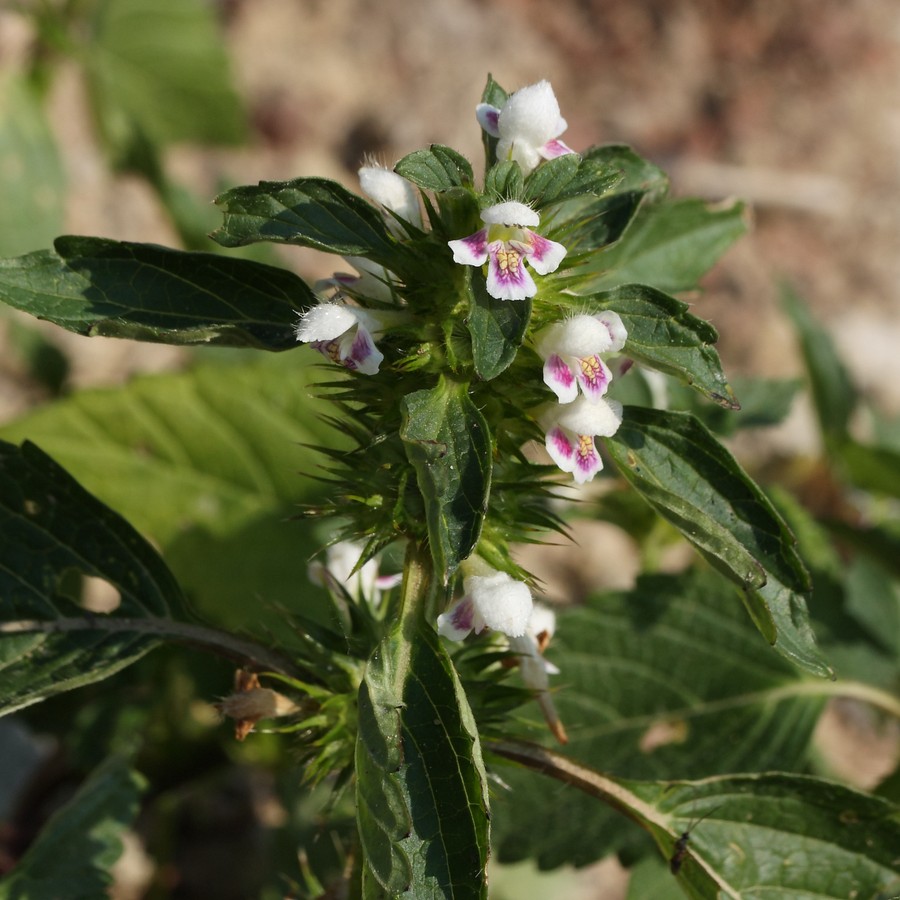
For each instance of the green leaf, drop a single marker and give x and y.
(494, 95)
(833, 393)
(875, 469)
(309, 212)
(75, 851)
(422, 804)
(503, 182)
(664, 335)
(54, 533)
(95, 286)
(158, 68)
(691, 480)
(207, 464)
(667, 245)
(655, 683)
(449, 444)
(497, 327)
(32, 182)
(436, 169)
(569, 176)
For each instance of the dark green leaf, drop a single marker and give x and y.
(95, 286)
(143, 81)
(32, 182)
(310, 212)
(436, 169)
(694, 482)
(656, 683)
(668, 245)
(494, 95)
(448, 442)
(75, 851)
(53, 534)
(421, 787)
(496, 327)
(664, 335)
(875, 469)
(504, 182)
(570, 176)
(833, 393)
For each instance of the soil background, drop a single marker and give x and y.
(791, 106)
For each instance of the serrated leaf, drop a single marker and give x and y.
(436, 169)
(32, 182)
(833, 393)
(145, 82)
(95, 286)
(668, 245)
(51, 529)
(655, 683)
(207, 463)
(449, 444)
(569, 176)
(75, 851)
(664, 335)
(504, 181)
(421, 786)
(674, 462)
(308, 212)
(496, 327)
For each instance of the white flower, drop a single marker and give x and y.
(337, 571)
(570, 430)
(571, 352)
(527, 126)
(344, 334)
(394, 193)
(505, 244)
(494, 600)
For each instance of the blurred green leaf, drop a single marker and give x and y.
(691, 480)
(665, 336)
(497, 327)
(448, 442)
(875, 469)
(668, 245)
(310, 212)
(32, 183)
(95, 286)
(159, 69)
(75, 851)
(436, 169)
(53, 533)
(421, 786)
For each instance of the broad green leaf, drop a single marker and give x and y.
(449, 445)
(53, 533)
(691, 480)
(872, 468)
(158, 68)
(503, 182)
(494, 95)
(32, 182)
(565, 177)
(310, 212)
(75, 851)
(496, 327)
(833, 393)
(421, 787)
(668, 245)
(208, 464)
(664, 335)
(95, 286)
(436, 169)
(656, 683)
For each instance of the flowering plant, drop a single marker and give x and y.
(497, 342)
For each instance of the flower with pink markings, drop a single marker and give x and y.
(344, 334)
(571, 352)
(504, 244)
(492, 600)
(528, 126)
(570, 431)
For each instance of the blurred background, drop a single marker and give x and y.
(124, 118)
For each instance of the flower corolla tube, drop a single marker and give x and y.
(570, 430)
(571, 352)
(495, 600)
(340, 572)
(505, 243)
(527, 126)
(344, 334)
